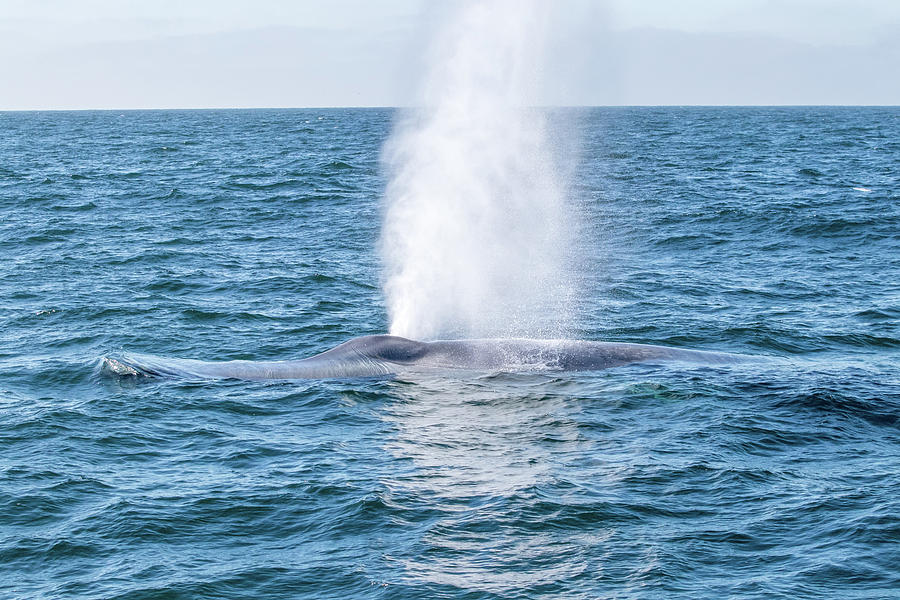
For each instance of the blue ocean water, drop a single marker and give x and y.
(251, 235)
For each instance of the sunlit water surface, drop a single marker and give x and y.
(251, 235)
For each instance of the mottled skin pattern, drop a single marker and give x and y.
(384, 355)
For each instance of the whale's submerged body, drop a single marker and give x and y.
(385, 355)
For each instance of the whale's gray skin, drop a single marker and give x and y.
(384, 355)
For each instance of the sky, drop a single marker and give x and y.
(84, 54)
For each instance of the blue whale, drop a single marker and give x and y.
(386, 355)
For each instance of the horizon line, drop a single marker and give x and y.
(399, 107)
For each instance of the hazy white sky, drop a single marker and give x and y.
(240, 53)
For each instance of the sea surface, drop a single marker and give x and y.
(251, 234)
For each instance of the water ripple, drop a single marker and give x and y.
(251, 234)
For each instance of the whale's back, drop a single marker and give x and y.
(382, 355)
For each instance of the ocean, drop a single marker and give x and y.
(253, 234)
